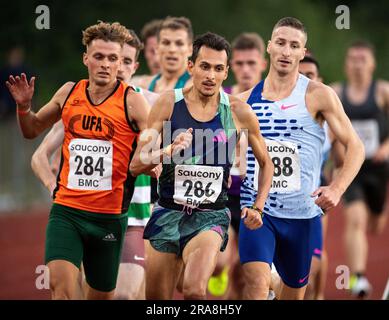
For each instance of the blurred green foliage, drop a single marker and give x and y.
(55, 54)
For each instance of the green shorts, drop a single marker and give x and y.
(170, 230)
(95, 239)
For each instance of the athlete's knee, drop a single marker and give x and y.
(125, 293)
(93, 294)
(260, 283)
(257, 279)
(195, 290)
(60, 289)
(356, 223)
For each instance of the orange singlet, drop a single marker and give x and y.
(96, 152)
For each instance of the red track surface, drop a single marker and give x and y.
(22, 238)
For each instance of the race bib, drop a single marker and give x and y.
(90, 165)
(368, 132)
(195, 185)
(286, 160)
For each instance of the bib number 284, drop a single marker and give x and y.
(90, 165)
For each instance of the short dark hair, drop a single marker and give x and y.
(248, 41)
(177, 23)
(212, 41)
(135, 43)
(362, 44)
(310, 59)
(150, 29)
(292, 23)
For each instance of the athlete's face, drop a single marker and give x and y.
(103, 59)
(150, 52)
(129, 64)
(174, 48)
(359, 61)
(209, 71)
(286, 48)
(247, 66)
(309, 70)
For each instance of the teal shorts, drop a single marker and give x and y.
(170, 230)
(95, 239)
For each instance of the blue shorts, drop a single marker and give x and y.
(317, 237)
(288, 243)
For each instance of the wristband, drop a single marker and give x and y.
(23, 112)
(254, 207)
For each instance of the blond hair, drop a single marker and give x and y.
(106, 31)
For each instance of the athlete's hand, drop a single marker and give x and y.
(21, 90)
(327, 197)
(182, 141)
(156, 172)
(251, 218)
(51, 186)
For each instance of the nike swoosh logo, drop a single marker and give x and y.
(303, 279)
(283, 107)
(138, 258)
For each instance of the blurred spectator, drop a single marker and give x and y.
(14, 65)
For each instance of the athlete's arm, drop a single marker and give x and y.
(138, 109)
(148, 154)
(32, 124)
(150, 96)
(246, 119)
(382, 153)
(323, 99)
(40, 161)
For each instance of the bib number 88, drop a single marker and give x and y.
(283, 167)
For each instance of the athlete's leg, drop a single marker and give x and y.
(322, 279)
(64, 283)
(276, 283)
(63, 253)
(313, 278)
(199, 256)
(288, 293)
(131, 270)
(219, 284)
(162, 271)
(256, 251)
(356, 246)
(93, 294)
(257, 278)
(314, 273)
(130, 282)
(377, 223)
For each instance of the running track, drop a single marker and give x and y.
(22, 236)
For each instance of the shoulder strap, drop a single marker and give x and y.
(182, 80)
(178, 95)
(154, 82)
(226, 114)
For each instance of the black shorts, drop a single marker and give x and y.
(370, 186)
(153, 190)
(233, 204)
